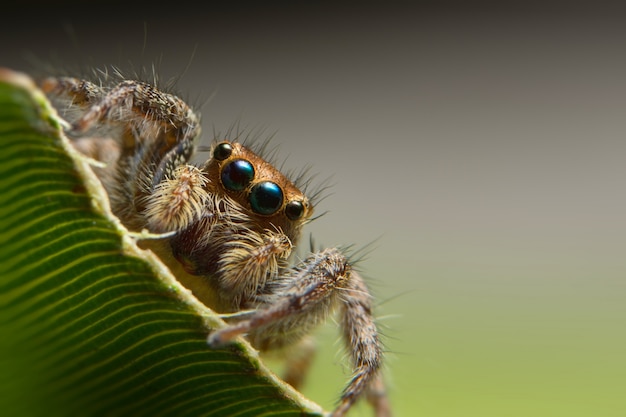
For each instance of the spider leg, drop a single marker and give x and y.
(149, 173)
(304, 298)
(362, 338)
(81, 92)
(127, 102)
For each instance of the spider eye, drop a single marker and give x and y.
(294, 210)
(237, 175)
(222, 151)
(266, 198)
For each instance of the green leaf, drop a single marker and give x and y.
(91, 325)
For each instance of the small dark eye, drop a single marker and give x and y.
(266, 198)
(222, 151)
(294, 210)
(237, 175)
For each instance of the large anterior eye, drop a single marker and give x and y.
(237, 175)
(266, 198)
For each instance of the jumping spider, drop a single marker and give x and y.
(235, 222)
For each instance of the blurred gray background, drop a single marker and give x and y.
(476, 149)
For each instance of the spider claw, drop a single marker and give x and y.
(214, 340)
(223, 337)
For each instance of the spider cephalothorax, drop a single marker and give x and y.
(231, 226)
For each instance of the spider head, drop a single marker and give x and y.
(252, 211)
(265, 194)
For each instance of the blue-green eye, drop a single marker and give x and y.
(266, 198)
(237, 175)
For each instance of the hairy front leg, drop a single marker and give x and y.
(305, 298)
